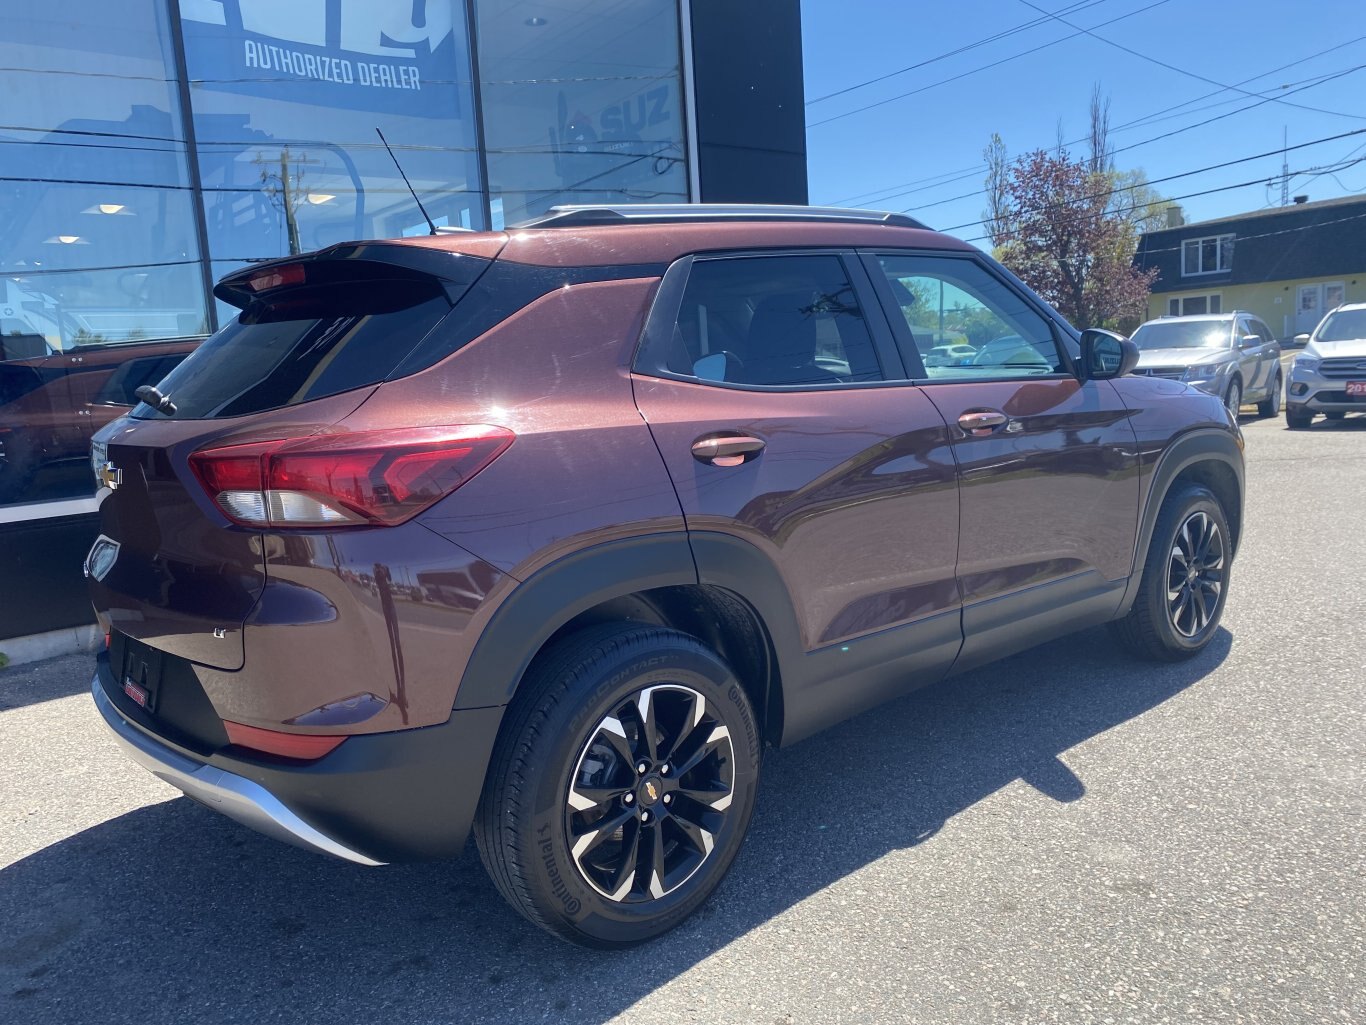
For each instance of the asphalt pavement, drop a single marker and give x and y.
(1067, 836)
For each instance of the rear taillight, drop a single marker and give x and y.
(379, 478)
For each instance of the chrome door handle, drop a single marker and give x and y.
(981, 422)
(726, 449)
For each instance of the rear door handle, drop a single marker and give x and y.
(979, 423)
(726, 449)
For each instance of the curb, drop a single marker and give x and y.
(36, 647)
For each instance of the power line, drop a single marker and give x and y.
(968, 172)
(985, 67)
(1179, 70)
(1075, 8)
(1313, 56)
(1173, 177)
(1136, 145)
(1188, 195)
(1249, 238)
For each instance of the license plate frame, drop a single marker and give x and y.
(140, 674)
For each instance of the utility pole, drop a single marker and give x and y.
(1285, 167)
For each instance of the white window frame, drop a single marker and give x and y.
(1222, 244)
(1181, 300)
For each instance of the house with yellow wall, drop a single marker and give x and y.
(1288, 265)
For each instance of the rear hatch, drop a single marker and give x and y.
(315, 336)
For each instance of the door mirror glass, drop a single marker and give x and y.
(1105, 354)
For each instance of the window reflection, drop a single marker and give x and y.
(286, 99)
(99, 256)
(582, 104)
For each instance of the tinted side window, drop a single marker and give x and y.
(966, 324)
(779, 320)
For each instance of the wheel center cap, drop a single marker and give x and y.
(651, 790)
(1192, 574)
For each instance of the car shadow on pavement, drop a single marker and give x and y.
(1351, 422)
(171, 913)
(32, 683)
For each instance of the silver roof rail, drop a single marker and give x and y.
(665, 213)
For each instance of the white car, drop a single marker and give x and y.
(1329, 375)
(950, 355)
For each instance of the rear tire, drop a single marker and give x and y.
(1297, 419)
(1185, 579)
(1271, 405)
(574, 834)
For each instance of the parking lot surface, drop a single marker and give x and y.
(1067, 836)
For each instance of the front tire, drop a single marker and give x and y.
(1233, 398)
(622, 786)
(1297, 419)
(1271, 405)
(1185, 578)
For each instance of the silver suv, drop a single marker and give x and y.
(1329, 376)
(1232, 355)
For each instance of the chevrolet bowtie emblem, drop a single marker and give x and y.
(110, 476)
(650, 789)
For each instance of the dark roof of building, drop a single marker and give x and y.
(1308, 240)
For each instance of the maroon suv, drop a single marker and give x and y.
(549, 532)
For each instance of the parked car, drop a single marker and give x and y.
(1329, 375)
(1232, 355)
(949, 355)
(679, 486)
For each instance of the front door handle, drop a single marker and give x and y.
(726, 449)
(979, 423)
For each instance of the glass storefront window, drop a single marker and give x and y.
(286, 97)
(582, 103)
(99, 254)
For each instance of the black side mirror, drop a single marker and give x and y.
(1105, 354)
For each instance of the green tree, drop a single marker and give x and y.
(1067, 242)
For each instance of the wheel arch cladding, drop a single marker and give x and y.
(739, 608)
(1211, 458)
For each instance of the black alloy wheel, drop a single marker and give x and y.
(621, 785)
(1195, 574)
(1185, 579)
(649, 794)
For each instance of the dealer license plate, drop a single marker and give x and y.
(1356, 389)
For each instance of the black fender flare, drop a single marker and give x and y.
(1198, 446)
(554, 595)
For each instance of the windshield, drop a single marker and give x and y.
(1184, 334)
(1342, 326)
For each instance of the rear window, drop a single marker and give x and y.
(306, 343)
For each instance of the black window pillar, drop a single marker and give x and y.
(749, 101)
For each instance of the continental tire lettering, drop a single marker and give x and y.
(750, 733)
(568, 900)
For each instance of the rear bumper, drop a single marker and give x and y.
(401, 796)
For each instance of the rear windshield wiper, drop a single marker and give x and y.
(161, 403)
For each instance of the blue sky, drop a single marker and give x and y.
(932, 140)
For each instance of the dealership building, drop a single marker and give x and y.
(148, 147)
